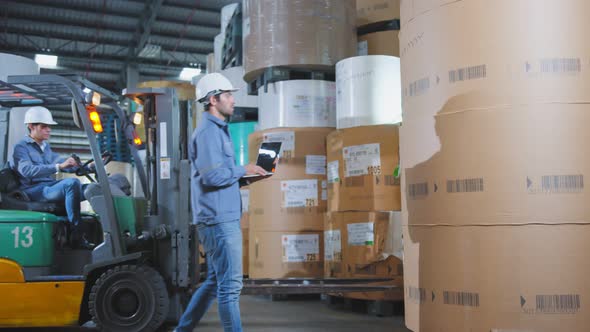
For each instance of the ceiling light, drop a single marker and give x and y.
(188, 73)
(46, 61)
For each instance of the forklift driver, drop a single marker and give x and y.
(216, 206)
(36, 164)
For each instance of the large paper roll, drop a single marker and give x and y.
(368, 91)
(297, 33)
(297, 103)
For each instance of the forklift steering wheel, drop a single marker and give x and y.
(83, 169)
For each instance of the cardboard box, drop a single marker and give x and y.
(303, 152)
(370, 244)
(371, 11)
(497, 278)
(294, 205)
(361, 169)
(285, 254)
(345, 259)
(379, 43)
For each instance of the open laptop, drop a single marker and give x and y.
(268, 155)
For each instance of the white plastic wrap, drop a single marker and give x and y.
(297, 33)
(297, 103)
(368, 91)
(11, 64)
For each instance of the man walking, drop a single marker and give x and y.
(216, 206)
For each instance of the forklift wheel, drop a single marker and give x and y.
(129, 298)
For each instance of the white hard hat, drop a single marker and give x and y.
(212, 84)
(39, 114)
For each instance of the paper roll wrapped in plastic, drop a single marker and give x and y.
(297, 33)
(368, 91)
(236, 76)
(297, 103)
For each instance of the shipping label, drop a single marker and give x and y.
(301, 248)
(315, 165)
(245, 195)
(362, 159)
(333, 174)
(332, 246)
(361, 234)
(300, 193)
(288, 140)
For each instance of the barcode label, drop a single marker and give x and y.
(419, 87)
(558, 303)
(299, 193)
(465, 185)
(467, 73)
(417, 190)
(461, 298)
(562, 183)
(300, 248)
(391, 180)
(561, 65)
(362, 159)
(354, 182)
(417, 294)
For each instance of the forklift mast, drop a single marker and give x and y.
(167, 190)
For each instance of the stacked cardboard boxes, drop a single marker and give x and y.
(496, 216)
(363, 226)
(292, 46)
(287, 210)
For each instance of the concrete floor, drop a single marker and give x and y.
(260, 314)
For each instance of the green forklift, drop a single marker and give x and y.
(140, 274)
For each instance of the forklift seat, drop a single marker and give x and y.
(11, 198)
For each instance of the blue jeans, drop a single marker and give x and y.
(68, 191)
(223, 247)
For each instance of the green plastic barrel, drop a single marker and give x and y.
(27, 237)
(239, 132)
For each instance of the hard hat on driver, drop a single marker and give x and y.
(39, 114)
(212, 84)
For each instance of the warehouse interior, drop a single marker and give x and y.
(428, 172)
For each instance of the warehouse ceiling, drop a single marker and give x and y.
(107, 40)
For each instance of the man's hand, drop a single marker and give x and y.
(70, 162)
(252, 169)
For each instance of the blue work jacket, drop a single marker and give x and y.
(215, 188)
(34, 165)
